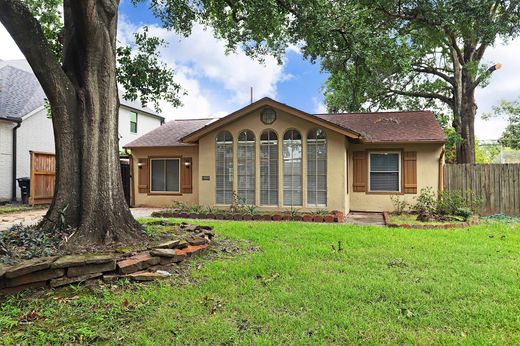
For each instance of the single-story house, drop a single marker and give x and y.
(278, 157)
(25, 125)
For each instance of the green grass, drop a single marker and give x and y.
(16, 208)
(388, 286)
(411, 219)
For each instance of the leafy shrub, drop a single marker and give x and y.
(426, 203)
(293, 211)
(196, 208)
(250, 209)
(399, 204)
(210, 210)
(180, 207)
(320, 212)
(450, 201)
(464, 213)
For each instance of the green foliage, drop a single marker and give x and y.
(180, 207)
(464, 212)
(511, 111)
(250, 209)
(195, 208)
(426, 202)
(142, 75)
(320, 212)
(293, 211)
(399, 204)
(210, 210)
(48, 13)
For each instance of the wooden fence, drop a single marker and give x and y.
(498, 185)
(43, 172)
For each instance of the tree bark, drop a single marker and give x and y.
(464, 119)
(84, 103)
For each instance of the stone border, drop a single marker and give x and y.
(333, 217)
(386, 218)
(52, 272)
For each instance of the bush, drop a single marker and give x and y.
(464, 213)
(426, 205)
(451, 201)
(399, 204)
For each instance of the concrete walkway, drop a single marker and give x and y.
(366, 219)
(32, 217)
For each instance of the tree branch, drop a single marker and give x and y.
(28, 35)
(488, 72)
(456, 48)
(425, 95)
(436, 72)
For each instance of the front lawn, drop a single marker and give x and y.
(387, 286)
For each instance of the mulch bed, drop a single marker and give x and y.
(388, 223)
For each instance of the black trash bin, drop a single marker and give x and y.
(24, 184)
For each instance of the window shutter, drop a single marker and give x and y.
(143, 179)
(360, 169)
(186, 175)
(410, 172)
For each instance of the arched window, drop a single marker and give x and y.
(246, 162)
(292, 168)
(269, 168)
(316, 168)
(224, 167)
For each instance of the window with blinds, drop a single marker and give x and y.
(246, 162)
(165, 175)
(269, 168)
(224, 168)
(292, 168)
(316, 168)
(385, 175)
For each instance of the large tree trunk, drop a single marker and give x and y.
(464, 120)
(84, 102)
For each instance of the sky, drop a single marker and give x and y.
(217, 84)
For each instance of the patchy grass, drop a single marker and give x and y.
(388, 286)
(411, 219)
(18, 208)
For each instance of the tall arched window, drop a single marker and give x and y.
(269, 168)
(292, 168)
(224, 167)
(317, 168)
(246, 162)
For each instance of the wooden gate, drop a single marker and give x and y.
(43, 172)
(497, 184)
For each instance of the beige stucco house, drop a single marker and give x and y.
(279, 157)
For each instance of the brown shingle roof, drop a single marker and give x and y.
(419, 126)
(169, 134)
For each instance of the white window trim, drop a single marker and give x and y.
(370, 170)
(151, 177)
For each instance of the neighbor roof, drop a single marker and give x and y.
(169, 134)
(20, 92)
(391, 127)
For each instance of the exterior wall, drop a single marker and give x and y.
(428, 156)
(6, 159)
(336, 160)
(162, 199)
(145, 124)
(35, 134)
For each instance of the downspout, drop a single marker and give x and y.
(18, 123)
(441, 171)
(132, 194)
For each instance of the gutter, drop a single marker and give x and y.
(18, 123)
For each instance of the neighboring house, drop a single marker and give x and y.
(278, 157)
(25, 125)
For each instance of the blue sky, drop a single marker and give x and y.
(217, 84)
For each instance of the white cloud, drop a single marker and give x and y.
(504, 85)
(10, 50)
(319, 106)
(208, 74)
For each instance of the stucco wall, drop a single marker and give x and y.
(427, 175)
(6, 159)
(145, 124)
(336, 163)
(164, 200)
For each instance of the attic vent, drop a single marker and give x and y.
(387, 120)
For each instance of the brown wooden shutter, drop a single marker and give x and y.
(186, 175)
(410, 172)
(143, 175)
(360, 169)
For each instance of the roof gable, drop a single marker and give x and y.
(264, 102)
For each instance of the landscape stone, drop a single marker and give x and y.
(168, 245)
(190, 250)
(146, 276)
(197, 241)
(29, 266)
(91, 268)
(169, 253)
(80, 260)
(42, 275)
(182, 244)
(12, 290)
(2, 270)
(68, 280)
(137, 262)
(111, 277)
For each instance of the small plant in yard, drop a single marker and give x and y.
(465, 213)
(237, 204)
(320, 212)
(399, 204)
(196, 208)
(250, 209)
(210, 210)
(180, 207)
(293, 211)
(426, 205)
